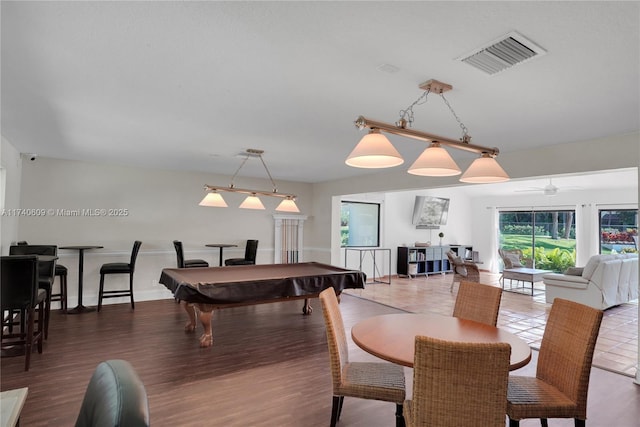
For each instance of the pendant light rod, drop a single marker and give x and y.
(231, 189)
(214, 199)
(362, 123)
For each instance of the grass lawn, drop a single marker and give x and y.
(519, 241)
(550, 254)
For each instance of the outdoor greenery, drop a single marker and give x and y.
(552, 232)
(344, 227)
(618, 229)
(521, 229)
(550, 254)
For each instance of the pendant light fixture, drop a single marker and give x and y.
(375, 151)
(213, 198)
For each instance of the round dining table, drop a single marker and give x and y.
(80, 248)
(392, 336)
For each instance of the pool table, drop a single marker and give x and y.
(232, 286)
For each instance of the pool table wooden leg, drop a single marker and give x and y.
(190, 326)
(206, 315)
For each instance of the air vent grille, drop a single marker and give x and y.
(502, 54)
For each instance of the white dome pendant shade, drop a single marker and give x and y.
(288, 205)
(435, 161)
(213, 200)
(484, 170)
(251, 202)
(374, 151)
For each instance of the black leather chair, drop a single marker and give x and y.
(187, 263)
(21, 295)
(250, 251)
(61, 273)
(119, 268)
(46, 273)
(115, 397)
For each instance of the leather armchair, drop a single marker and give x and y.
(115, 397)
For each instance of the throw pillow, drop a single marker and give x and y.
(514, 260)
(574, 271)
(462, 270)
(455, 259)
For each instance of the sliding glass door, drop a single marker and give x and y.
(618, 231)
(547, 237)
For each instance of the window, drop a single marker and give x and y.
(551, 233)
(360, 224)
(618, 231)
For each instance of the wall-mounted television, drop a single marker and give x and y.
(430, 211)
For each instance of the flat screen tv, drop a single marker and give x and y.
(430, 211)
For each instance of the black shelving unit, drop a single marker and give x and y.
(414, 261)
(463, 251)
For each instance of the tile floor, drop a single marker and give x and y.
(524, 315)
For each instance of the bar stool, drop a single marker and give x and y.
(186, 263)
(119, 268)
(61, 273)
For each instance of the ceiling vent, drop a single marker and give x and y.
(503, 53)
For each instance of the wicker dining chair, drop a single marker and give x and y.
(366, 380)
(462, 270)
(559, 389)
(478, 302)
(514, 258)
(458, 384)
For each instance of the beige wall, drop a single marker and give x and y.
(161, 206)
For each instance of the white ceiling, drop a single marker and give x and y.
(189, 85)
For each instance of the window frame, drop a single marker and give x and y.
(375, 237)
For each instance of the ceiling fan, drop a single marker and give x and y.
(549, 189)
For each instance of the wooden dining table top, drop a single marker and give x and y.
(392, 336)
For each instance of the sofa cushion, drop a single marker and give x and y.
(566, 281)
(593, 262)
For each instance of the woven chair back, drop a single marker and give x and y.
(336, 335)
(566, 351)
(459, 384)
(478, 302)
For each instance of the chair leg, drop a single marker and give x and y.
(514, 423)
(133, 305)
(40, 332)
(63, 291)
(580, 423)
(28, 337)
(47, 314)
(544, 422)
(335, 410)
(399, 416)
(100, 291)
(340, 408)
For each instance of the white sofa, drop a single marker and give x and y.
(606, 281)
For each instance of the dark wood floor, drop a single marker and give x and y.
(269, 367)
